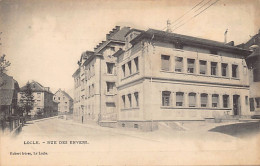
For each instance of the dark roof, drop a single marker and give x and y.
(7, 88)
(133, 29)
(188, 40)
(118, 36)
(36, 87)
(76, 72)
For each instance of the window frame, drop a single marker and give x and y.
(166, 98)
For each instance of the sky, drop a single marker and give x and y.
(44, 39)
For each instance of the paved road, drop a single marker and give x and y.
(108, 146)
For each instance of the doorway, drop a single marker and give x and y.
(236, 104)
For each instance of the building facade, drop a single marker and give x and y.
(9, 116)
(65, 102)
(44, 106)
(253, 62)
(95, 96)
(167, 77)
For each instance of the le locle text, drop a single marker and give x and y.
(55, 142)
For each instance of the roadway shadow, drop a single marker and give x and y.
(240, 130)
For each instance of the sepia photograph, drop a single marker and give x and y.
(129, 82)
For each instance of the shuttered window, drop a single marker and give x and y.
(166, 95)
(192, 99)
(178, 64)
(203, 67)
(136, 64)
(224, 69)
(136, 94)
(165, 62)
(213, 68)
(252, 104)
(204, 100)
(123, 70)
(130, 100)
(191, 65)
(179, 98)
(215, 100)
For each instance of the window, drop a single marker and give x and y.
(252, 104)
(257, 100)
(136, 126)
(179, 98)
(129, 67)
(38, 95)
(203, 67)
(191, 65)
(110, 104)
(178, 64)
(110, 68)
(112, 48)
(129, 100)
(225, 101)
(215, 100)
(93, 90)
(58, 98)
(246, 100)
(213, 68)
(165, 62)
(66, 102)
(136, 99)
(123, 125)
(123, 70)
(234, 71)
(204, 100)
(256, 74)
(192, 99)
(123, 101)
(166, 98)
(110, 87)
(224, 69)
(54, 98)
(136, 64)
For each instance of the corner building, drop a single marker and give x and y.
(95, 93)
(170, 77)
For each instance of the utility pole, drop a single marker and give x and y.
(168, 26)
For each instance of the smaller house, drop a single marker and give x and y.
(44, 106)
(9, 117)
(65, 102)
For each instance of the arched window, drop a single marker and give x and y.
(204, 100)
(192, 99)
(166, 96)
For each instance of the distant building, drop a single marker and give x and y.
(171, 77)
(9, 116)
(43, 100)
(65, 101)
(253, 62)
(95, 96)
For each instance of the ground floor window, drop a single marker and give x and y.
(192, 99)
(204, 100)
(215, 100)
(225, 101)
(257, 100)
(166, 98)
(252, 104)
(179, 98)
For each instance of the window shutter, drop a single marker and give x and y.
(204, 99)
(214, 98)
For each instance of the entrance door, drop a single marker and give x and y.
(236, 104)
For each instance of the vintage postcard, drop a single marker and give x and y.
(129, 82)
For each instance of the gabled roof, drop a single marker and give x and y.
(188, 40)
(65, 94)
(36, 87)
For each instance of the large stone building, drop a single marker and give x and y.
(95, 97)
(170, 77)
(65, 102)
(43, 100)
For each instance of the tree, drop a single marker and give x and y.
(3, 64)
(27, 99)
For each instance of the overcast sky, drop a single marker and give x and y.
(44, 39)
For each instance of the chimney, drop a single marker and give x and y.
(225, 36)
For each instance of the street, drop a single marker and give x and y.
(64, 142)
